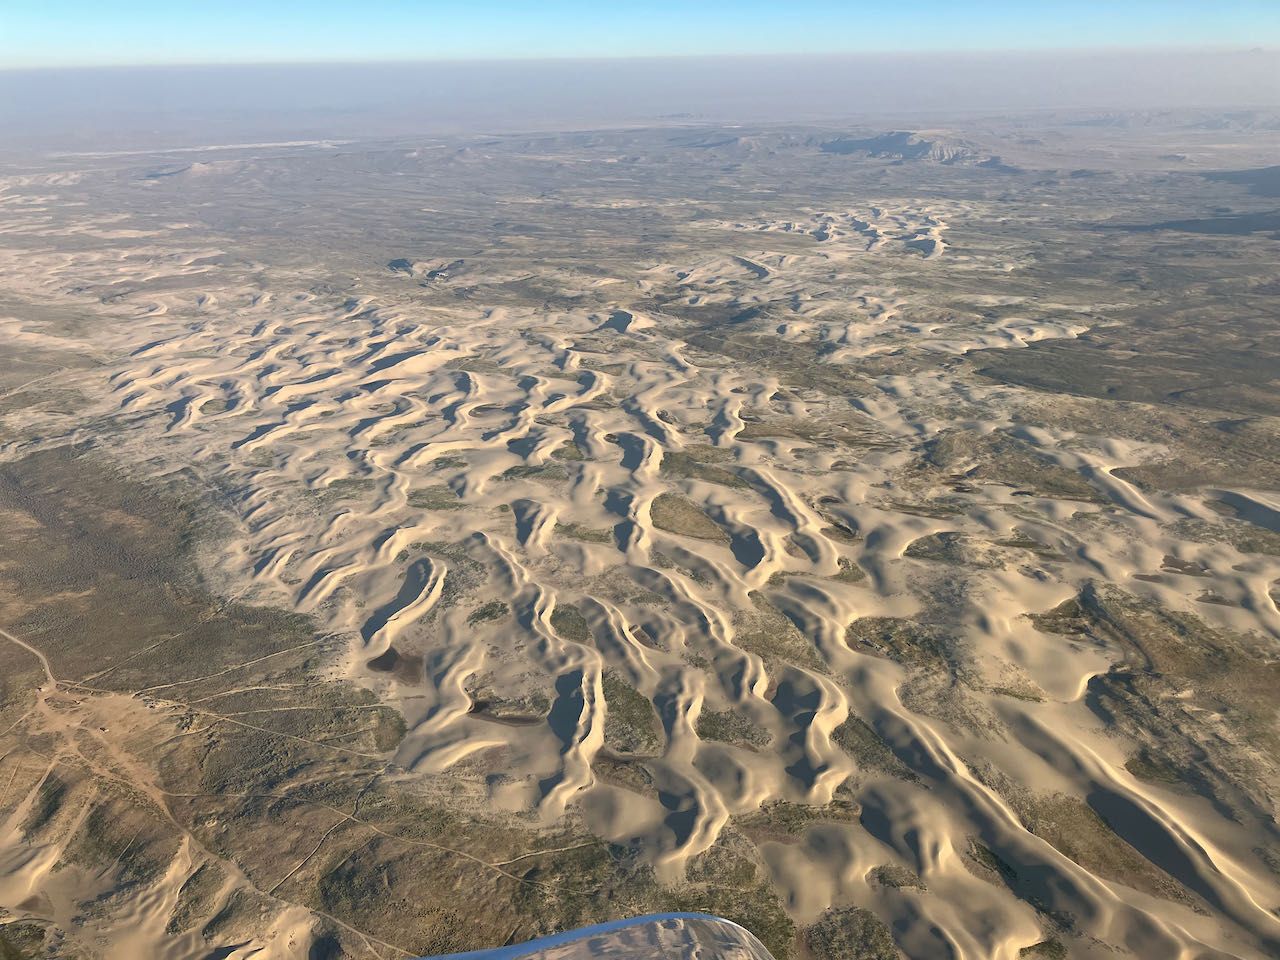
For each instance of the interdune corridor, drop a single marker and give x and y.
(557, 528)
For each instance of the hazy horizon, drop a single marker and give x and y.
(120, 107)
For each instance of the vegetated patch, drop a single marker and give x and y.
(730, 726)
(1075, 830)
(343, 490)
(493, 610)
(127, 837)
(54, 401)
(933, 509)
(850, 933)
(706, 453)
(195, 897)
(768, 633)
(950, 547)
(549, 473)
(1028, 694)
(1051, 949)
(1148, 765)
(985, 862)
(476, 365)
(780, 821)
(568, 621)
(576, 531)
(840, 532)
(947, 697)
(868, 749)
(438, 497)
(1199, 698)
(596, 883)
(1244, 536)
(728, 881)
(20, 940)
(378, 886)
(234, 706)
(1021, 541)
(465, 572)
(1163, 356)
(524, 708)
(850, 572)
(821, 432)
(569, 451)
(1001, 458)
(897, 876)
(1189, 568)
(905, 641)
(679, 515)
(631, 724)
(683, 466)
(50, 794)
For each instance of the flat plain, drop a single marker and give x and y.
(867, 534)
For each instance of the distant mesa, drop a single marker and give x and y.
(908, 145)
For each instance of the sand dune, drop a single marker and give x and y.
(526, 517)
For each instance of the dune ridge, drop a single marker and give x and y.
(520, 516)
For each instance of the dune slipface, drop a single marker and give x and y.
(418, 547)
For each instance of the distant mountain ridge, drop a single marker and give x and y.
(907, 145)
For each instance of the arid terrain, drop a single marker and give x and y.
(868, 534)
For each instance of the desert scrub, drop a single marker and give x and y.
(757, 908)
(340, 491)
(729, 726)
(568, 621)
(768, 633)
(896, 876)
(1052, 949)
(569, 451)
(586, 534)
(1153, 768)
(195, 896)
(779, 820)
(631, 724)
(524, 472)
(438, 497)
(19, 941)
(493, 610)
(682, 466)
(868, 749)
(676, 514)
(905, 641)
(850, 933)
(850, 572)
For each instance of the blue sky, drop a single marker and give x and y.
(91, 32)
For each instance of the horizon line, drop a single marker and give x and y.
(601, 59)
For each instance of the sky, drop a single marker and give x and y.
(60, 33)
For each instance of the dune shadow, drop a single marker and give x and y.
(416, 578)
